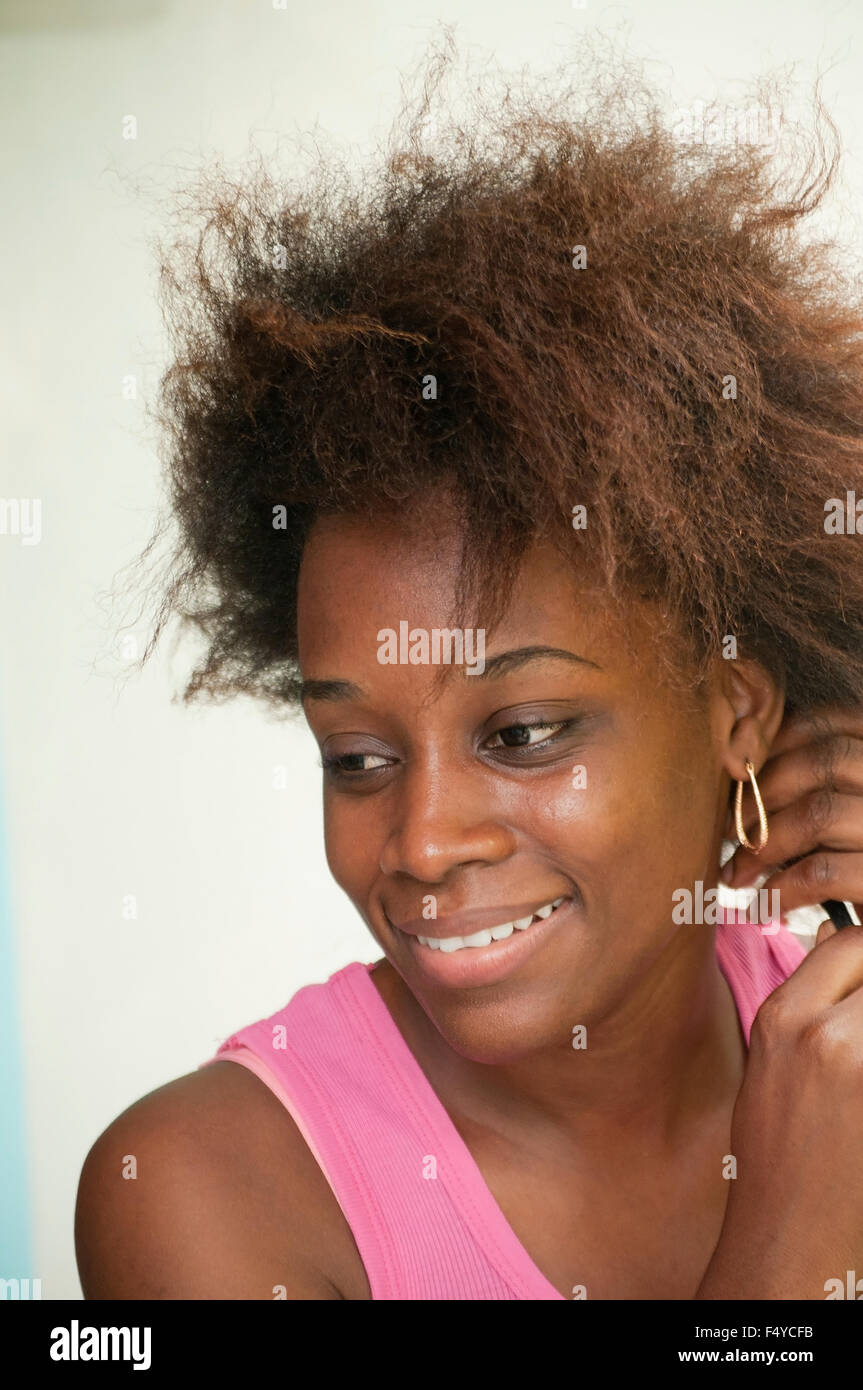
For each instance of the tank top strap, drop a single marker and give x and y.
(425, 1223)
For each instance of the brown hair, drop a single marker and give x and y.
(306, 322)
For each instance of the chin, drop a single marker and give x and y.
(495, 1030)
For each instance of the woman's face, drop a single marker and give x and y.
(457, 805)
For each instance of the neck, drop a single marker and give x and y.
(668, 1054)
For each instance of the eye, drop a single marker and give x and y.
(348, 763)
(533, 735)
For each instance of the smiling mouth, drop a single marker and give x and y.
(486, 937)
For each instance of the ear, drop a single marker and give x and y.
(750, 708)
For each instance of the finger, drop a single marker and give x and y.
(816, 724)
(830, 972)
(847, 1021)
(836, 761)
(823, 819)
(817, 877)
(825, 929)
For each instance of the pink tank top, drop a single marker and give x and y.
(425, 1223)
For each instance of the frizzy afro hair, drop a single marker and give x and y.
(694, 378)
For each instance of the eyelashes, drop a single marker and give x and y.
(343, 767)
(339, 763)
(527, 727)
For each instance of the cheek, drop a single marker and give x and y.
(659, 823)
(592, 804)
(350, 843)
(619, 822)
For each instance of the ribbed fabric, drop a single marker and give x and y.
(425, 1222)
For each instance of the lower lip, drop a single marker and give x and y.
(487, 965)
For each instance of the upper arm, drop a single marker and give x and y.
(188, 1195)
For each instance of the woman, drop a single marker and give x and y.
(520, 474)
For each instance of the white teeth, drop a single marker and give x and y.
(479, 938)
(485, 937)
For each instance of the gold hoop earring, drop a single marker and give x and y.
(738, 813)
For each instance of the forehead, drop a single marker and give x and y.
(360, 576)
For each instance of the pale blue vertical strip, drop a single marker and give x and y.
(14, 1194)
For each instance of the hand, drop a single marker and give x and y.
(812, 789)
(794, 1218)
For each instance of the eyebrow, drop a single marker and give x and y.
(505, 662)
(499, 665)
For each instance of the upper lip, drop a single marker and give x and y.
(473, 919)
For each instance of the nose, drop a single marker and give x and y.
(442, 821)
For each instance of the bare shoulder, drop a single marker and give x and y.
(205, 1188)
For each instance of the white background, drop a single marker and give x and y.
(112, 789)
